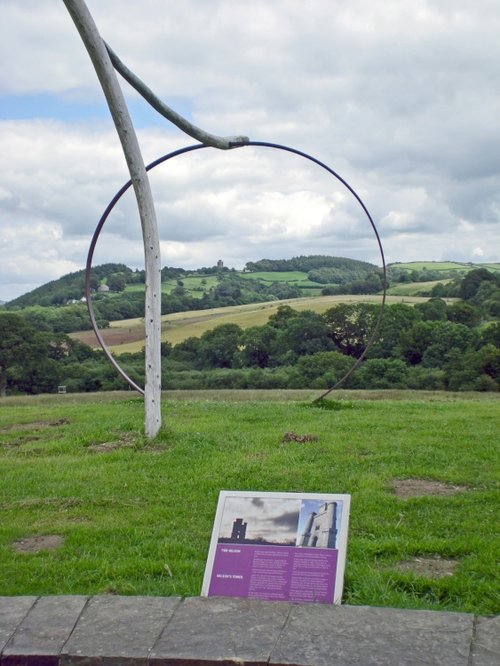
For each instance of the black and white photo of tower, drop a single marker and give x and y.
(320, 530)
(239, 530)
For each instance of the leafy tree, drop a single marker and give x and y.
(321, 370)
(219, 346)
(425, 379)
(464, 313)
(432, 310)
(282, 290)
(281, 317)
(472, 281)
(491, 334)
(20, 347)
(117, 282)
(397, 318)
(351, 326)
(305, 333)
(40, 376)
(432, 341)
(187, 352)
(477, 370)
(258, 346)
(372, 284)
(382, 373)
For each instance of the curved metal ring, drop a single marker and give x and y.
(200, 146)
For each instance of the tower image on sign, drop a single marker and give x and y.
(320, 530)
(239, 530)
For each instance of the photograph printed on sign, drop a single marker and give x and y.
(260, 521)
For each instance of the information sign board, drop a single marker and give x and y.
(278, 546)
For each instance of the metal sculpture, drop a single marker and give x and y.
(105, 62)
(189, 149)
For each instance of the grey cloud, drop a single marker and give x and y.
(288, 520)
(400, 97)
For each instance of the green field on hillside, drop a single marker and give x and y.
(125, 516)
(196, 285)
(127, 335)
(443, 266)
(294, 277)
(415, 288)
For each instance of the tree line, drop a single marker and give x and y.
(432, 346)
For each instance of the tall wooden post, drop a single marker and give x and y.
(123, 123)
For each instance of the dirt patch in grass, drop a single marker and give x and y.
(34, 425)
(295, 437)
(406, 488)
(19, 441)
(127, 441)
(38, 543)
(429, 567)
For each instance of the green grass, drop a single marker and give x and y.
(415, 288)
(294, 277)
(131, 512)
(444, 266)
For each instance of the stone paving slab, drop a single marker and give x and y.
(219, 631)
(486, 645)
(366, 636)
(42, 634)
(12, 611)
(169, 631)
(117, 631)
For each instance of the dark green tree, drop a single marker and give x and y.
(321, 370)
(305, 333)
(472, 281)
(350, 326)
(117, 282)
(432, 341)
(382, 373)
(432, 310)
(219, 346)
(20, 347)
(280, 318)
(397, 319)
(258, 346)
(464, 313)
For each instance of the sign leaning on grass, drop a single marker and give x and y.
(278, 547)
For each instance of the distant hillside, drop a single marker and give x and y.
(66, 288)
(310, 263)
(121, 289)
(316, 271)
(442, 266)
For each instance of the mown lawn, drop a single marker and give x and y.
(136, 517)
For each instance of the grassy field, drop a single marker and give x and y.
(89, 507)
(414, 288)
(127, 335)
(295, 278)
(444, 266)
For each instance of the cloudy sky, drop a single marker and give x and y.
(272, 519)
(400, 97)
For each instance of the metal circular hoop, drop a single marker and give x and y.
(200, 146)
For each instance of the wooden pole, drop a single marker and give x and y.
(130, 145)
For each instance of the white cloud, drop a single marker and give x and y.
(399, 97)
